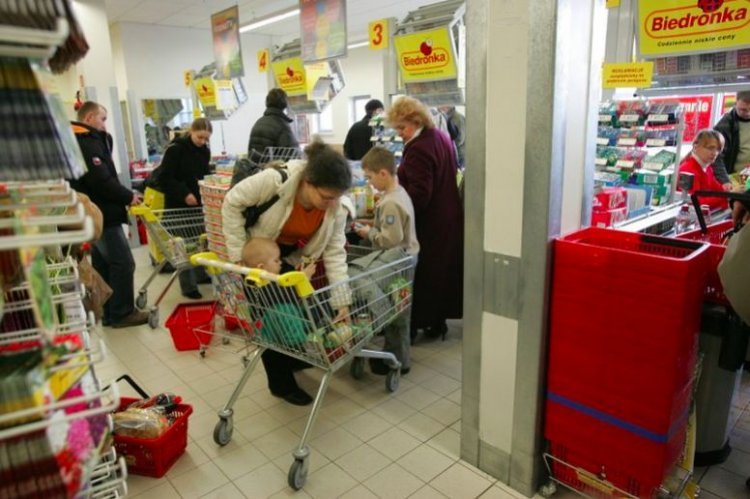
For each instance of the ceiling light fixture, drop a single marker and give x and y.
(270, 19)
(356, 45)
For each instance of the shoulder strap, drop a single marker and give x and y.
(263, 207)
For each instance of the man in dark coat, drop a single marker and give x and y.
(428, 173)
(111, 255)
(272, 129)
(735, 127)
(358, 139)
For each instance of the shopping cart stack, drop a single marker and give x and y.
(624, 323)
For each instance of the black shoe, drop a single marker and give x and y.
(296, 397)
(193, 295)
(405, 370)
(437, 331)
(135, 318)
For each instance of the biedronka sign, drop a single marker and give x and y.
(426, 55)
(678, 27)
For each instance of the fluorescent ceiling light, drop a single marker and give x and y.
(358, 44)
(273, 18)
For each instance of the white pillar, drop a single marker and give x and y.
(531, 105)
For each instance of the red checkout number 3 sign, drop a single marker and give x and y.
(378, 34)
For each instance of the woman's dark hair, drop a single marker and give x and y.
(276, 98)
(326, 168)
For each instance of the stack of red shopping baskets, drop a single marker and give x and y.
(624, 324)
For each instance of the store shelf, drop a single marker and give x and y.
(32, 43)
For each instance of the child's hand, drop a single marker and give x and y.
(342, 315)
(362, 230)
(309, 270)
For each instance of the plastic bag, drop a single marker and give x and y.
(140, 423)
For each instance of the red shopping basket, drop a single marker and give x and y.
(154, 456)
(716, 235)
(191, 325)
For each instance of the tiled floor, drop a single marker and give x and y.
(367, 443)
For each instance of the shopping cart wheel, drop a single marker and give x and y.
(298, 474)
(223, 431)
(202, 352)
(142, 299)
(153, 318)
(357, 369)
(548, 490)
(392, 380)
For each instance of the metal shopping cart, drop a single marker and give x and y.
(178, 233)
(290, 315)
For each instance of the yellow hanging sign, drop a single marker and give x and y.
(629, 74)
(313, 73)
(611, 4)
(187, 77)
(290, 75)
(378, 34)
(674, 27)
(206, 90)
(263, 59)
(426, 55)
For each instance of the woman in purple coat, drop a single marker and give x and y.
(428, 173)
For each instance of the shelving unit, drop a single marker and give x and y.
(386, 137)
(638, 149)
(55, 427)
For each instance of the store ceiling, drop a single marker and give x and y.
(197, 13)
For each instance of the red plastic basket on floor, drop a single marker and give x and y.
(154, 456)
(191, 325)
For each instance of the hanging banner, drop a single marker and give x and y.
(225, 27)
(290, 75)
(728, 101)
(225, 99)
(426, 55)
(678, 27)
(378, 34)
(629, 74)
(187, 77)
(317, 81)
(323, 29)
(696, 113)
(206, 91)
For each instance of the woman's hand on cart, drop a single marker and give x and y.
(191, 200)
(137, 198)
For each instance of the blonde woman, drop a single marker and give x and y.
(428, 173)
(707, 146)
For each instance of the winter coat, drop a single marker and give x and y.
(271, 130)
(357, 141)
(428, 173)
(183, 165)
(704, 180)
(327, 242)
(100, 182)
(729, 128)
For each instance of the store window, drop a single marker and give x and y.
(357, 108)
(322, 122)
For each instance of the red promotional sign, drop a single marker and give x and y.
(696, 113)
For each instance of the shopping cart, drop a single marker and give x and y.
(178, 233)
(289, 315)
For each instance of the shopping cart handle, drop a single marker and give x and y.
(144, 211)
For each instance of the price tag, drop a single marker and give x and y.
(602, 141)
(378, 34)
(629, 118)
(600, 162)
(656, 142)
(658, 118)
(605, 118)
(263, 57)
(627, 141)
(650, 165)
(624, 163)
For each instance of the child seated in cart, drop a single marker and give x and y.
(393, 230)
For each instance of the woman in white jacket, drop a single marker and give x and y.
(308, 222)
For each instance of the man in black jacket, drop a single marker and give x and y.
(735, 127)
(111, 255)
(272, 129)
(358, 139)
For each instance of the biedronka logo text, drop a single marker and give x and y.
(687, 21)
(290, 78)
(427, 57)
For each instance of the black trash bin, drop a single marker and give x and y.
(723, 342)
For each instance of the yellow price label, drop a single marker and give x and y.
(630, 74)
(187, 76)
(263, 60)
(379, 33)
